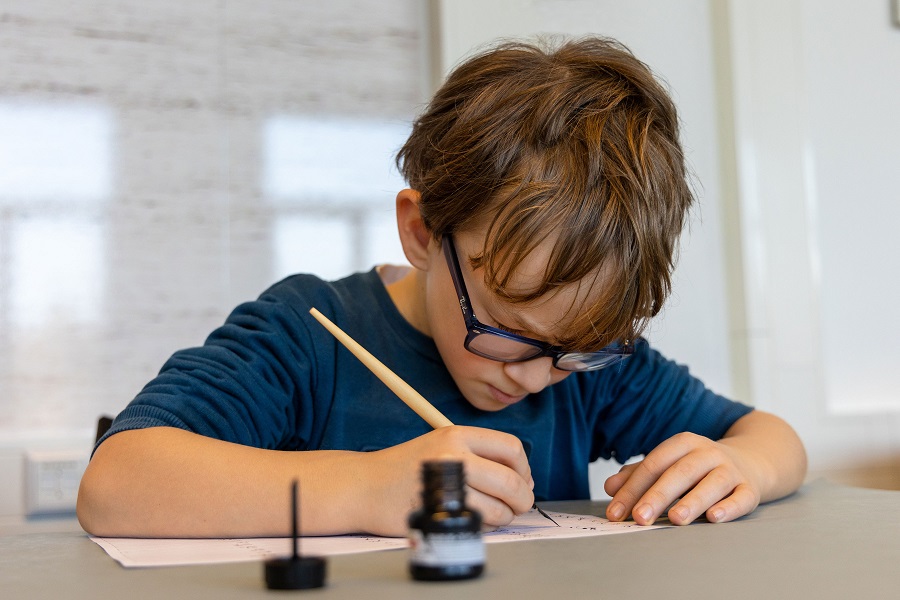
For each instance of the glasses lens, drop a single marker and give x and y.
(587, 361)
(497, 347)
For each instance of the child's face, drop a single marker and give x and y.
(489, 384)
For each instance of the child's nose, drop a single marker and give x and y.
(532, 375)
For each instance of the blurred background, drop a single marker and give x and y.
(162, 161)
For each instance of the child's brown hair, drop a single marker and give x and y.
(577, 145)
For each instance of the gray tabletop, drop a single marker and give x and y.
(826, 541)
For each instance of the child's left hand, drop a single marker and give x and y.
(724, 479)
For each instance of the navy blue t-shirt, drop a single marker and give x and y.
(272, 377)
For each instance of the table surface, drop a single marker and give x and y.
(825, 541)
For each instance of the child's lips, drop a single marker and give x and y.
(504, 398)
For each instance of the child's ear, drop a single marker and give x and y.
(414, 235)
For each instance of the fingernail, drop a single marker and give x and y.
(681, 513)
(644, 511)
(716, 515)
(616, 511)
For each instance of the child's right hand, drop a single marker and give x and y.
(498, 477)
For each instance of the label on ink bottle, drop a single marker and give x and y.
(446, 549)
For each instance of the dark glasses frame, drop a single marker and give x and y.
(566, 361)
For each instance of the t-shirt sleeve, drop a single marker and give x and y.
(647, 399)
(244, 385)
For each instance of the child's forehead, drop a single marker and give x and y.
(547, 316)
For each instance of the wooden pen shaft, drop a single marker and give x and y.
(404, 391)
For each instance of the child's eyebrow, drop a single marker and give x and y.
(526, 329)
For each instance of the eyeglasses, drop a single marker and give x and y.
(505, 346)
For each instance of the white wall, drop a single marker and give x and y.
(815, 97)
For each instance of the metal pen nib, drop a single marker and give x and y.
(538, 508)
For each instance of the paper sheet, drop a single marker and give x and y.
(131, 552)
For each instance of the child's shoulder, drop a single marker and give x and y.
(352, 302)
(306, 289)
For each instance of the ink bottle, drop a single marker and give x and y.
(445, 534)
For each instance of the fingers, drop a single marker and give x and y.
(691, 474)
(496, 468)
(496, 446)
(615, 482)
(501, 483)
(494, 513)
(741, 502)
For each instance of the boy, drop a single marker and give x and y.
(547, 194)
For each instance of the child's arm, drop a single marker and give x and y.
(166, 482)
(759, 459)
